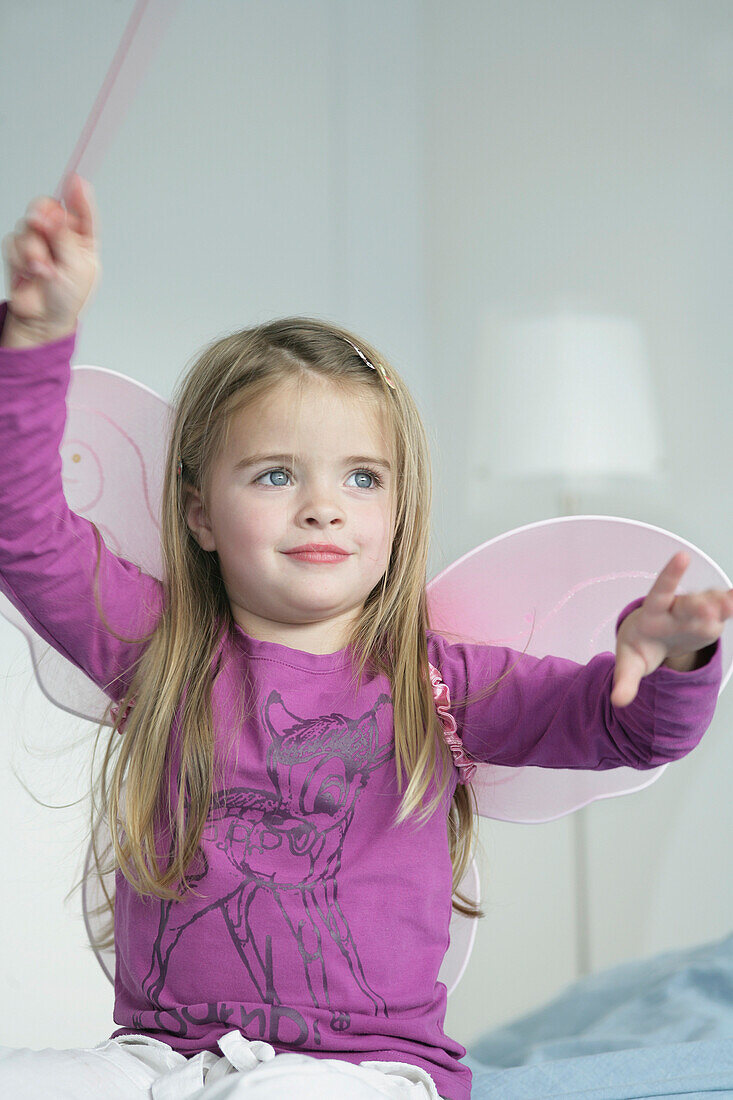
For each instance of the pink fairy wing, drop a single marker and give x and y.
(462, 932)
(113, 457)
(557, 587)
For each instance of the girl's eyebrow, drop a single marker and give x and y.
(254, 460)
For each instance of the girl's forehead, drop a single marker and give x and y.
(310, 411)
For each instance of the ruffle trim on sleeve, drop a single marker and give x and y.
(114, 710)
(466, 766)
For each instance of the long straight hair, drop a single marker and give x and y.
(154, 839)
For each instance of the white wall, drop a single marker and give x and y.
(402, 169)
(585, 151)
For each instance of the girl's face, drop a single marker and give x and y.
(338, 491)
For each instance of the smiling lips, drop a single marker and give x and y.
(317, 548)
(318, 552)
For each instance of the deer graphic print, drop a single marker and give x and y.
(286, 844)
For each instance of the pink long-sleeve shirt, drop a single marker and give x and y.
(320, 926)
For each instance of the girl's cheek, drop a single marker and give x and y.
(252, 523)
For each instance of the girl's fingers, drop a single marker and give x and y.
(49, 224)
(79, 213)
(665, 586)
(30, 254)
(40, 225)
(71, 229)
(80, 203)
(624, 691)
(25, 263)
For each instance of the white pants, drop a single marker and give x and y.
(137, 1067)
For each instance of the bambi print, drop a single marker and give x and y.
(285, 848)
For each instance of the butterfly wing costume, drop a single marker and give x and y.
(553, 587)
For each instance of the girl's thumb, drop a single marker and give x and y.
(79, 199)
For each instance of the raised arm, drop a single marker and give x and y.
(50, 557)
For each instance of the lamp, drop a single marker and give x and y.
(567, 395)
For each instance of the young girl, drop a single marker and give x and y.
(282, 899)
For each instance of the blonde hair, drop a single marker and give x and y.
(174, 671)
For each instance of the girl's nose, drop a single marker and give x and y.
(321, 509)
(323, 516)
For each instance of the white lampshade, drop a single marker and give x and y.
(565, 394)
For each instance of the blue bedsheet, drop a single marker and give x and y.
(658, 1027)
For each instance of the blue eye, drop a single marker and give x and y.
(268, 472)
(365, 473)
(280, 471)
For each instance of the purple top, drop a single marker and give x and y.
(319, 927)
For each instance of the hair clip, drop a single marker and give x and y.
(371, 366)
(179, 468)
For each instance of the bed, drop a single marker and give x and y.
(658, 1027)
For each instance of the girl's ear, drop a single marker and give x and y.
(198, 521)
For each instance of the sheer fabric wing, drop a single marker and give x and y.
(112, 459)
(557, 587)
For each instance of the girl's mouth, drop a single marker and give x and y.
(318, 557)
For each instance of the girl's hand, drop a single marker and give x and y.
(666, 626)
(52, 263)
